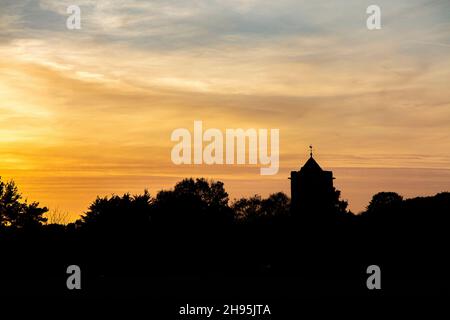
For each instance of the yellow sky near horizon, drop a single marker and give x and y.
(90, 112)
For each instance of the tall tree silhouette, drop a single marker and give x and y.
(15, 213)
(194, 203)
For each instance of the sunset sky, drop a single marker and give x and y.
(90, 112)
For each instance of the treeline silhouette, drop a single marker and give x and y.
(192, 241)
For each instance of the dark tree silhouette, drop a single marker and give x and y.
(340, 206)
(253, 208)
(194, 203)
(247, 208)
(384, 201)
(384, 206)
(127, 212)
(191, 232)
(15, 213)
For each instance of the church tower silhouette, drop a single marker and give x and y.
(311, 188)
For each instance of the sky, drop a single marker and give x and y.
(90, 112)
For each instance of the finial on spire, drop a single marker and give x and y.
(310, 150)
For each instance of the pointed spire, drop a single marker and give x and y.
(310, 151)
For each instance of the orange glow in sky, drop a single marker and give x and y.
(90, 112)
